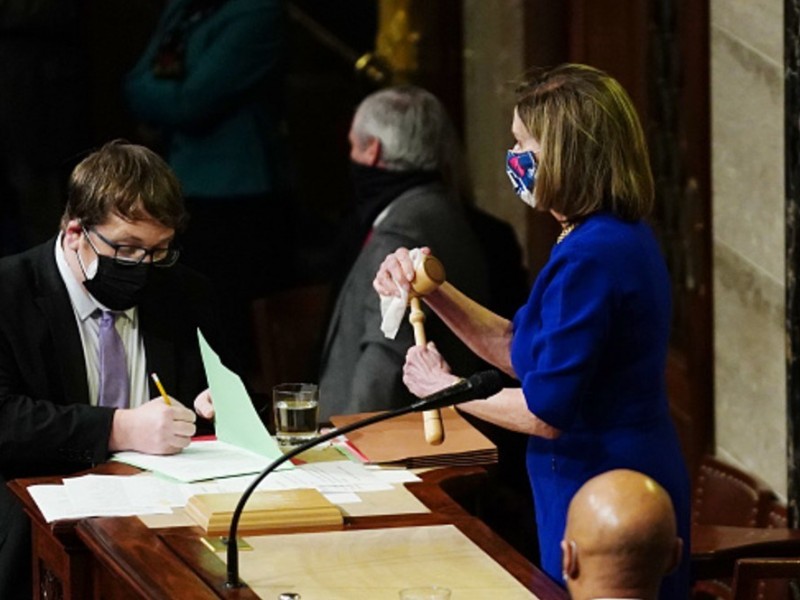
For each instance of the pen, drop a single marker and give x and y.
(160, 387)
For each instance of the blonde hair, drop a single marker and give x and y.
(593, 150)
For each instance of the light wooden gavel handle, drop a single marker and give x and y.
(431, 419)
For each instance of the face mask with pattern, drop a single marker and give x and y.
(521, 170)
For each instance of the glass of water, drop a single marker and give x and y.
(296, 410)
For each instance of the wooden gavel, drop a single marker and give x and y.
(428, 276)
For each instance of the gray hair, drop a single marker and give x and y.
(412, 126)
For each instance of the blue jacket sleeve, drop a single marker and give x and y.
(240, 49)
(566, 346)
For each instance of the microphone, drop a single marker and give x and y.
(478, 386)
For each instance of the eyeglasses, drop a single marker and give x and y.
(130, 256)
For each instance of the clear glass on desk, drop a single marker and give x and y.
(296, 410)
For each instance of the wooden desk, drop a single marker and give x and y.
(119, 557)
(61, 562)
(715, 548)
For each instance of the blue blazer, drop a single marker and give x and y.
(221, 120)
(590, 350)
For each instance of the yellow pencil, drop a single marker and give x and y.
(161, 389)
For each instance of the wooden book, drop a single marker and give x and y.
(264, 510)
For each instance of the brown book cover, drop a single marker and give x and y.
(401, 441)
(264, 510)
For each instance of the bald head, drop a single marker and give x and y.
(620, 538)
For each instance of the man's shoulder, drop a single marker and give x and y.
(433, 218)
(33, 254)
(26, 277)
(426, 207)
(22, 268)
(428, 194)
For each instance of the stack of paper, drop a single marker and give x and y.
(340, 482)
(199, 461)
(110, 495)
(401, 441)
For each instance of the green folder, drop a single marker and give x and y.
(236, 421)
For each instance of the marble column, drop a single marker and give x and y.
(791, 19)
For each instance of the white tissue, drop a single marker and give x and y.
(393, 308)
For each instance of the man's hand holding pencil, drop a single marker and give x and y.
(161, 426)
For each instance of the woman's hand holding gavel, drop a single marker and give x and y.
(396, 270)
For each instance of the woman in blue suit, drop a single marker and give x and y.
(590, 345)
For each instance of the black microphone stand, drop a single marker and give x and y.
(233, 549)
(480, 385)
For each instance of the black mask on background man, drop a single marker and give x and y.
(376, 187)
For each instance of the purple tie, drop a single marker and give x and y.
(114, 387)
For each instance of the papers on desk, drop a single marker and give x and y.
(339, 481)
(243, 448)
(114, 495)
(199, 461)
(243, 443)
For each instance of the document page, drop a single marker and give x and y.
(114, 496)
(199, 461)
(342, 482)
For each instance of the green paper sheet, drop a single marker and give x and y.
(236, 421)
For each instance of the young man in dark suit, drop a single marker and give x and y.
(84, 319)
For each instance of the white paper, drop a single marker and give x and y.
(193, 472)
(200, 461)
(90, 496)
(100, 492)
(334, 477)
(394, 476)
(339, 498)
(53, 502)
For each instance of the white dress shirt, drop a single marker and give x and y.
(87, 318)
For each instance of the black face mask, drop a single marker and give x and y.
(375, 188)
(116, 286)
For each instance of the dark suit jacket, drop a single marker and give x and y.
(47, 425)
(46, 422)
(362, 369)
